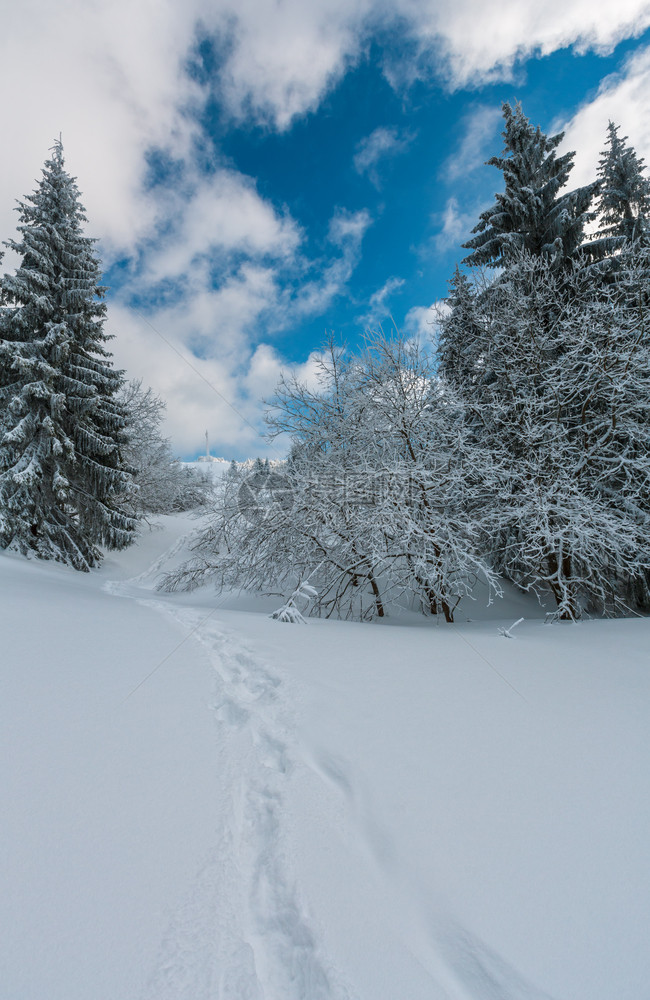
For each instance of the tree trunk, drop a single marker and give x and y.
(560, 570)
(378, 601)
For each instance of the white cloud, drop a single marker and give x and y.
(456, 227)
(110, 78)
(198, 391)
(201, 350)
(420, 323)
(223, 393)
(348, 228)
(382, 143)
(378, 306)
(267, 365)
(379, 297)
(221, 214)
(346, 232)
(284, 57)
(201, 392)
(479, 128)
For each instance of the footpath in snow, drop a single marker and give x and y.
(200, 803)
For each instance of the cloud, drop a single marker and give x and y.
(281, 58)
(263, 376)
(456, 227)
(109, 77)
(479, 128)
(222, 392)
(379, 310)
(348, 228)
(421, 323)
(201, 393)
(346, 232)
(201, 349)
(267, 365)
(382, 143)
(219, 215)
(113, 77)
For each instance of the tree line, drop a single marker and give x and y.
(516, 447)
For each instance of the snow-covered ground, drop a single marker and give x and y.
(200, 803)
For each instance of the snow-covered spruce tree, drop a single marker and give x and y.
(531, 214)
(163, 484)
(461, 327)
(561, 403)
(624, 198)
(63, 481)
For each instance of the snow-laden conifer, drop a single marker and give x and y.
(460, 328)
(531, 214)
(624, 198)
(62, 477)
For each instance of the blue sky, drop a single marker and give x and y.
(261, 173)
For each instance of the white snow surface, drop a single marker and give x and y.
(329, 811)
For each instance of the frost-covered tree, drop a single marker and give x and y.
(560, 398)
(431, 507)
(378, 503)
(162, 484)
(63, 480)
(624, 199)
(461, 325)
(531, 214)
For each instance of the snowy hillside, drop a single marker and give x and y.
(200, 803)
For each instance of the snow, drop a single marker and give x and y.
(329, 811)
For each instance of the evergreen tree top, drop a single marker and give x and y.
(530, 214)
(58, 279)
(56, 200)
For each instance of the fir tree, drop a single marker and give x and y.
(461, 331)
(531, 215)
(62, 477)
(624, 202)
